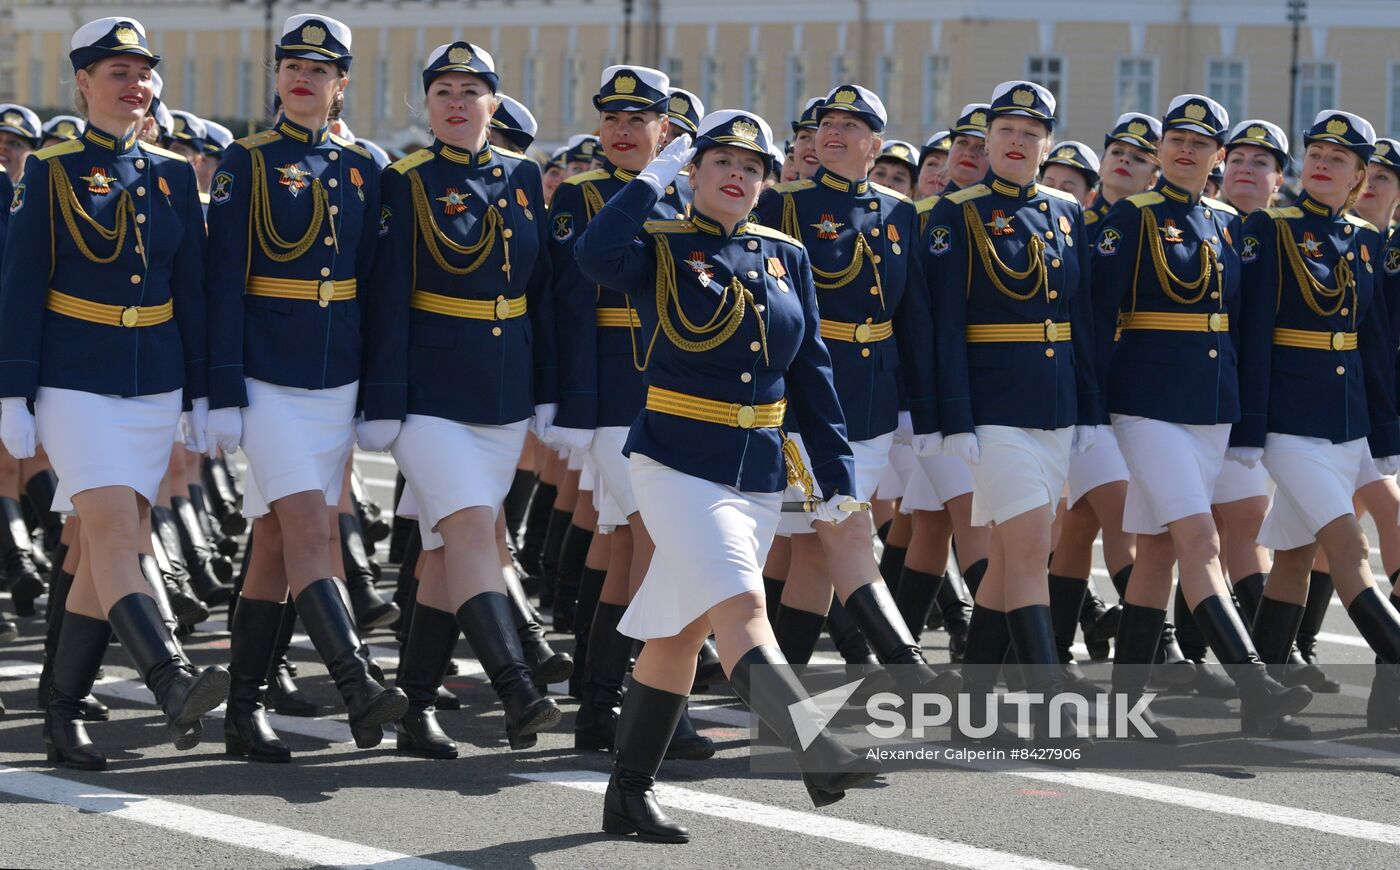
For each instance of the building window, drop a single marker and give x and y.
(1137, 84)
(243, 89)
(840, 70)
(527, 81)
(709, 82)
(935, 110)
(796, 85)
(673, 68)
(218, 84)
(1392, 124)
(1317, 90)
(753, 83)
(1048, 71)
(383, 94)
(568, 89)
(1226, 83)
(189, 82)
(36, 82)
(887, 85)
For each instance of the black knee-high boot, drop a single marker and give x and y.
(516, 503)
(546, 665)
(254, 637)
(1099, 622)
(1067, 596)
(325, 611)
(226, 545)
(1120, 582)
(850, 642)
(432, 636)
(489, 624)
(708, 668)
(972, 576)
(1275, 625)
(649, 716)
(532, 537)
(1135, 648)
(914, 596)
(797, 632)
(1033, 638)
(282, 692)
(604, 672)
(89, 708)
(223, 496)
(370, 609)
(556, 530)
(573, 554)
(406, 585)
(183, 691)
(1379, 622)
(828, 768)
(892, 566)
(1261, 696)
(1208, 681)
(1320, 590)
(40, 489)
(874, 612)
(772, 598)
(590, 586)
(988, 644)
(165, 540)
(78, 654)
(199, 557)
(21, 575)
(949, 601)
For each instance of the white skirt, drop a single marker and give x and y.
(871, 457)
(296, 440)
(945, 477)
(95, 441)
(1101, 464)
(612, 485)
(1238, 482)
(1020, 470)
(1172, 470)
(1314, 482)
(711, 543)
(899, 472)
(408, 509)
(1369, 473)
(575, 459)
(452, 466)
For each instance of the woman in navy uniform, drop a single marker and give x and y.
(804, 140)
(1016, 384)
(512, 126)
(735, 312)
(62, 128)
(1072, 167)
(895, 167)
(874, 317)
(1129, 164)
(1317, 376)
(1165, 270)
(299, 209)
(102, 316)
(462, 297)
(932, 158)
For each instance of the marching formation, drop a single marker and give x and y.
(676, 381)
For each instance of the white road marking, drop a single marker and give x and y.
(889, 840)
(207, 825)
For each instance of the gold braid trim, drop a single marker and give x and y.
(1308, 286)
(1169, 279)
(995, 268)
(433, 236)
(592, 200)
(797, 473)
(266, 229)
(837, 280)
(62, 191)
(789, 221)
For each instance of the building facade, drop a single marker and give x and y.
(925, 57)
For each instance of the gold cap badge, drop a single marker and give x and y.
(1195, 111)
(1023, 97)
(67, 128)
(900, 151)
(680, 105)
(845, 96)
(1137, 128)
(460, 55)
(624, 84)
(744, 130)
(1256, 133)
(1337, 127)
(978, 119)
(1382, 149)
(14, 118)
(313, 35)
(127, 36)
(1065, 154)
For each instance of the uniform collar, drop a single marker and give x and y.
(296, 132)
(95, 138)
(836, 182)
(1176, 194)
(1099, 204)
(461, 155)
(1313, 207)
(714, 227)
(623, 175)
(1007, 188)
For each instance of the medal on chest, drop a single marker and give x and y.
(99, 181)
(826, 227)
(1169, 231)
(779, 272)
(892, 233)
(293, 178)
(359, 181)
(1310, 246)
(1000, 224)
(702, 269)
(524, 202)
(453, 201)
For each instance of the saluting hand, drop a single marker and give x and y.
(17, 429)
(964, 446)
(225, 429)
(664, 168)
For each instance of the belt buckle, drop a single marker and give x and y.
(1052, 331)
(131, 315)
(863, 333)
(502, 308)
(746, 416)
(1338, 341)
(325, 292)
(1214, 322)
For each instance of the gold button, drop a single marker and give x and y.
(1207, 212)
(746, 417)
(329, 240)
(507, 233)
(496, 331)
(1341, 370)
(863, 333)
(136, 279)
(761, 308)
(875, 231)
(1213, 353)
(874, 291)
(502, 308)
(1049, 352)
(1055, 263)
(753, 274)
(325, 291)
(746, 377)
(1045, 206)
(1049, 234)
(1052, 332)
(1351, 255)
(496, 172)
(874, 206)
(753, 246)
(130, 316)
(875, 259)
(334, 155)
(140, 191)
(1215, 294)
(502, 203)
(1053, 294)
(1347, 229)
(140, 164)
(1345, 311)
(1338, 341)
(754, 345)
(1215, 322)
(335, 209)
(670, 188)
(1215, 240)
(332, 183)
(325, 271)
(865, 351)
(140, 219)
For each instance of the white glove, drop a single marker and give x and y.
(17, 429)
(376, 435)
(928, 445)
(543, 419)
(1246, 456)
(1083, 438)
(1388, 465)
(904, 429)
(828, 512)
(193, 424)
(664, 168)
(964, 446)
(225, 428)
(563, 438)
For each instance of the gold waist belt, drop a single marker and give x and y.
(984, 333)
(323, 292)
(676, 404)
(109, 315)
(619, 317)
(473, 309)
(836, 330)
(1168, 322)
(1314, 340)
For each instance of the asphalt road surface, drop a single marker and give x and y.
(1334, 802)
